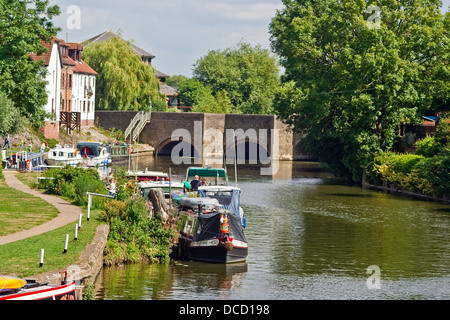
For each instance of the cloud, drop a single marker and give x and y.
(178, 32)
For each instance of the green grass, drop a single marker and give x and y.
(20, 211)
(21, 258)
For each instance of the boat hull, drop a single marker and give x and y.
(212, 251)
(44, 292)
(57, 162)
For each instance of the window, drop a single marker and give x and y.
(70, 81)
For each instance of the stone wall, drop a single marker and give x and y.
(158, 133)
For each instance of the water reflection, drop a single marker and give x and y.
(309, 238)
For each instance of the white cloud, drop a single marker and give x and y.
(178, 32)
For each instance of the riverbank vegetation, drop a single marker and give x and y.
(350, 81)
(135, 234)
(426, 172)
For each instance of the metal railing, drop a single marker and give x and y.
(137, 124)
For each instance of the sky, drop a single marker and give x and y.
(177, 32)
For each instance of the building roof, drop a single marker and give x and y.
(45, 56)
(108, 35)
(168, 90)
(78, 66)
(83, 67)
(160, 74)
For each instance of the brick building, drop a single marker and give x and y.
(70, 88)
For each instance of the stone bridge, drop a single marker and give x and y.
(213, 135)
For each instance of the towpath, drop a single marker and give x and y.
(67, 212)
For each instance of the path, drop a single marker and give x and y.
(67, 212)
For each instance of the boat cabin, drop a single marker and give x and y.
(215, 176)
(91, 149)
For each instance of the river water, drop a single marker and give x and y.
(309, 238)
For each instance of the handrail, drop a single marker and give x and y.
(142, 123)
(132, 124)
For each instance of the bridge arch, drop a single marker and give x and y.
(247, 151)
(166, 146)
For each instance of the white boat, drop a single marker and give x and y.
(146, 175)
(166, 186)
(94, 154)
(66, 155)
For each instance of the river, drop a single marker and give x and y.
(309, 238)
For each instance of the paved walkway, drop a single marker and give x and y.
(67, 212)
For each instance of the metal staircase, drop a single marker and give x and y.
(137, 124)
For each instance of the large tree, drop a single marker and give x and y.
(23, 26)
(246, 76)
(355, 71)
(124, 81)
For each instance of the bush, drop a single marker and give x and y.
(427, 147)
(442, 135)
(413, 172)
(73, 183)
(436, 171)
(134, 235)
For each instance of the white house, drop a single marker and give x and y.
(52, 61)
(83, 89)
(70, 87)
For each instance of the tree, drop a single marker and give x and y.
(349, 82)
(23, 26)
(124, 82)
(248, 77)
(11, 120)
(196, 94)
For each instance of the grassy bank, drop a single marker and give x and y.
(21, 258)
(20, 210)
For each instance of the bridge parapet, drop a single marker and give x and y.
(213, 130)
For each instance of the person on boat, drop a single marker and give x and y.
(203, 182)
(195, 183)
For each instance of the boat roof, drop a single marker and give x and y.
(148, 173)
(218, 188)
(206, 172)
(144, 184)
(89, 143)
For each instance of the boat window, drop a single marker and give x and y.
(224, 197)
(61, 154)
(55, 153)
